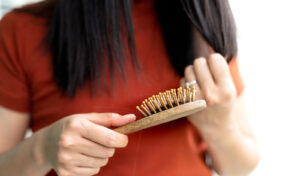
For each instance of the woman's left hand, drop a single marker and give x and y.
(216, 86)
(223, 124)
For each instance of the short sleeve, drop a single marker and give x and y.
(14, 89)
(236, 76)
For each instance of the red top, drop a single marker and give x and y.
(26, 85)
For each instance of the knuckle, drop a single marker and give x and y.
(104, 162)
(124, 141)
(107, 152)
(110, 152)
(66, 142)
(64, 158)
(113, 140)
(228, 93)
(84, 124)
(211, 99)
(74, 123)
(94, 171)
(110, 140)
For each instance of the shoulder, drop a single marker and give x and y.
(20, 35)
(7, 23)
(17, 20)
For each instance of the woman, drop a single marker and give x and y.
(70, 68)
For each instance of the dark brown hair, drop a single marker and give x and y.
(85, 36)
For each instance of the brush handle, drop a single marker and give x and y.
(163, 117)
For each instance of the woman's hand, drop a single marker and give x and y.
(82, 144)
(223, 124)
(215, 85)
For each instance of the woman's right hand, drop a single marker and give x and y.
(81, 144)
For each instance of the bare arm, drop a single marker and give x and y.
(12, 128)
(18, 155)
(231, 143)
(79, 144)
(223, 124)
(233, 147)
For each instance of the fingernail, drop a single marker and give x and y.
(217, 56)
(203, 59)
(129, 116)
(115, 114)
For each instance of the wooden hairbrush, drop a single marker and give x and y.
(165, 107)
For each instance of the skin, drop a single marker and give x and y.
(67, 140)
(63, 145)
(76, 145)
(224, 118)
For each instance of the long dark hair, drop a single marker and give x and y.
(86, 36)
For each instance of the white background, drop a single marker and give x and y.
(6, 4)
(268, 35)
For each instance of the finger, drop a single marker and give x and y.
(104, 136)
(81, 160)
(92, 149)
(219, 68)
(182, 82)
(111, 119)
(204, 77)
(85, 171)
(189, 76)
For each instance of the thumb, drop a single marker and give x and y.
(111, 119)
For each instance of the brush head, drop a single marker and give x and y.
(167, 100)
(165, 107)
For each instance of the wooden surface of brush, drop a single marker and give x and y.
(165, 107)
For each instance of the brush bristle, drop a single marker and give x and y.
(166, 100)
